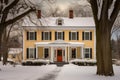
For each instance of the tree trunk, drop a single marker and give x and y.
(103, 49)
(1, 32)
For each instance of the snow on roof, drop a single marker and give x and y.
(60, 42)
(51, 21)
(15, 50)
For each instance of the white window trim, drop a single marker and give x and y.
(85, 35)
(44, 52)
(44, 35)
(76, 52)
(61, 35)
(75, 36)
(85, 52)
(33, 52)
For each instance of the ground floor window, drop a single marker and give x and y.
(88, 53)
(46, 52)
(73, 53)
(31, 53)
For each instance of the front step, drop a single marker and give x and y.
(60, 64)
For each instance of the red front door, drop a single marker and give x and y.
(59, 55)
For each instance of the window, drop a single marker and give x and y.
(13, 55)
(59, 35)
(73, 35)
(73, 52)
(46, 52)
(31, 35)
(46, 35)
(87, 35)
(88, 53)
(59, 21)
(31, 53)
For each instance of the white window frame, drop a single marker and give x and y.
(44, 52)
(33, 53)
(44, 35)
(33, 34)
(87, 53)
(75, 35)
(76, 52)
(61, 35)
(85, 35)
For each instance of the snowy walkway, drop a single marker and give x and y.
(52, 75)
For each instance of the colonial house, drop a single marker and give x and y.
(59, 39)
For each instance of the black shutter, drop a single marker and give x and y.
(42, 36)
(69, 35)
(35, 53)
(50, 36)
(77, 35)
(83, 35)
(55, 35)
(27, 53)
(27, 35)
(63, 36)
(90, 35)
(35, 35)
(91, 53)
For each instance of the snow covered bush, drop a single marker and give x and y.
(83, 62)
(35, 62)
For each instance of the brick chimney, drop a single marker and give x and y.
(39, 13)
(71, 15)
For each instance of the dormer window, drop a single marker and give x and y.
(59, 21)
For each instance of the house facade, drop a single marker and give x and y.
(60, 39)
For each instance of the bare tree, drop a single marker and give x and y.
(5, 17)
(105, 13)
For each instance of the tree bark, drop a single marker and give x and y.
(103, 49)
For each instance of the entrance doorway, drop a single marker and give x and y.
(59, 55)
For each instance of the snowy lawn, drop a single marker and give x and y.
(74, 72)
(52, 72)
(25, 72)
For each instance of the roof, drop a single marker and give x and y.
(51, 21)
(15, 50)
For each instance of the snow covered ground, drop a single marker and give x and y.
(52, 72)
(74, 72)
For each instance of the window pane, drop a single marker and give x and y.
(31, 52)
(74, 36)
(59, 22)
(32, 36)
(46, 53)
(73, 53)
(87, 53)
(59, 35)
(87, 36)
(46, 35)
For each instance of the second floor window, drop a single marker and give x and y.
(31, 36)
(73, 36)
(59, 35)
(46, 35)
(87, 35)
